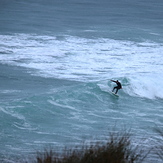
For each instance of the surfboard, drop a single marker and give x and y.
(114, 94)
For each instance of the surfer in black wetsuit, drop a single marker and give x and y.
(119, 86)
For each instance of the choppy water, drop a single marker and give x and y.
(56, 62)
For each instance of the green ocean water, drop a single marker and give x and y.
(56, 62)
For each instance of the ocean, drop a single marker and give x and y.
(57, 58)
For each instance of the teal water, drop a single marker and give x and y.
(56, 62)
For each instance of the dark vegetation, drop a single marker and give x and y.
(117, 149)
(159, 145)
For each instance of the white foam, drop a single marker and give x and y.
(12, 113)
(61, 105)
(88, 59)
(9, 91)
(146, 86)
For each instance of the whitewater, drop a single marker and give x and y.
(56, 91)
(55, 72)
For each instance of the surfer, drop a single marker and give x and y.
(119, 86)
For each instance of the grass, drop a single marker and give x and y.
(117, 149)
(159, 147)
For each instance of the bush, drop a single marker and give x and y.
(117, 149)
(159, 148)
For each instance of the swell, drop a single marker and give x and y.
(67, 114)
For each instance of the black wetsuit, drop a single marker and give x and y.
(119, 86)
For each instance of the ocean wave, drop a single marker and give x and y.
(144, 86)
(137, 64)
(12, 113)
(79, 58)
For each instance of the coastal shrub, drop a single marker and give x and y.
(159, 145)
(116, 149)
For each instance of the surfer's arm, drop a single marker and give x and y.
(113, 81)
